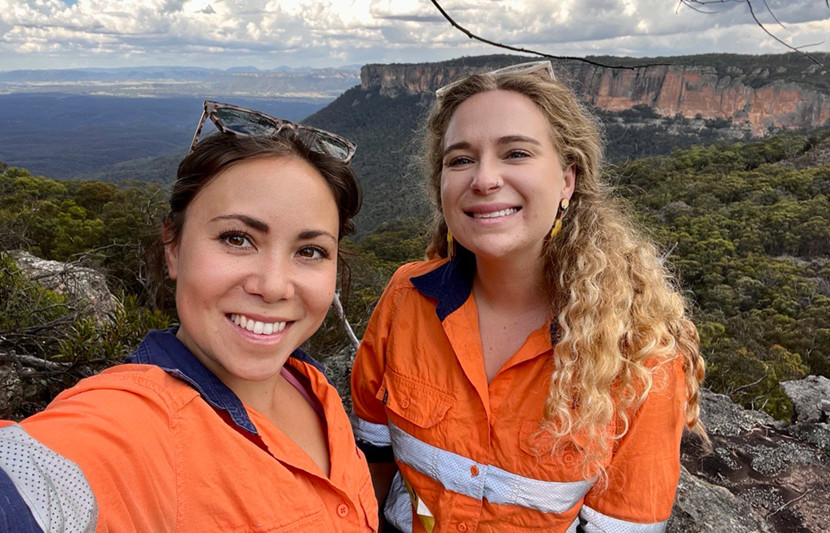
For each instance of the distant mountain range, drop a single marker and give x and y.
(242, 82)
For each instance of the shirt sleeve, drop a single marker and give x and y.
(105, 455)
(369, 419)
(645, 468)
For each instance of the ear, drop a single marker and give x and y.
(568, 181)
(171, 252)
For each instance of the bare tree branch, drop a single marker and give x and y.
(787, 504)
(747, 385)
(32, 361)
(696, 4)
(471, 35)
(772, 14)
(341, 313)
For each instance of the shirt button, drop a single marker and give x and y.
(405, 403)
(474, 470)
(462, 526)
(568, 457)
(342, 510)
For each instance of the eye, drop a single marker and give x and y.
(517, 154)
(313, 253)
(458, 161)
(236, 239)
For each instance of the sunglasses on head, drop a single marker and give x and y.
(247, 122)
(543, 68)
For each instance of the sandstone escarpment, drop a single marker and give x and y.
(749, 97)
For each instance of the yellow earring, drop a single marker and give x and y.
(450, 245)
(560, 214)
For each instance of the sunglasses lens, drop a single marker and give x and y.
(240, 121)
(318, 141)
(245, 123)
(333, 146)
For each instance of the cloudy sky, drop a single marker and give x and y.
(321, 33)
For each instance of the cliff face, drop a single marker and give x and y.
(755, 101)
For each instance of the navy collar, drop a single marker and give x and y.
(162, 349)
(450, 283)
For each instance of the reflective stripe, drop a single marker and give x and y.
(53, 487)
(497, 486)
(398, 508)
(374, 434)
(596, 522)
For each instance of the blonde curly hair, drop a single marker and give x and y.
(617, 307)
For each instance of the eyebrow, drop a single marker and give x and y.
(314, 233)
(265, 228)
(245, 219)
(456, 146)
(507, 139)
(518, 138)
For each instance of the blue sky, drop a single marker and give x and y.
(323, 33)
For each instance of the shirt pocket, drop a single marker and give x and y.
(566, 459)
(539, 444)
(413, 401)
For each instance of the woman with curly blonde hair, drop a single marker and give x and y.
(536, 372)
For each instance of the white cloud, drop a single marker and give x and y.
(52, 33)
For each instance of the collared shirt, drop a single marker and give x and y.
(161, 444)
(470, 452)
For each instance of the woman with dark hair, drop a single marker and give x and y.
(537, 371)
(221, 424)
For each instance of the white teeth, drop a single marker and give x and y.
(260, 328)
(496, 214)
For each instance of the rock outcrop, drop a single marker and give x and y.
(701, 507)
(749, 98)
(29, 378)
(86, 287)
(810, 397)
(777, 474)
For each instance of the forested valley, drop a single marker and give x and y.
(746, 226)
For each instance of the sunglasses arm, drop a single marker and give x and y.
(198, 130)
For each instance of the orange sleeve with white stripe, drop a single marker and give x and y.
(124, 450)
(645, 468)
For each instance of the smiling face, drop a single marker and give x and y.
(502, 179)
(255, 266)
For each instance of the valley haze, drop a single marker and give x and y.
(248, 82)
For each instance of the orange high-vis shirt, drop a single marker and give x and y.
(165, 446)
(470, 454)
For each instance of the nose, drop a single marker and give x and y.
(272, 279)
(486, 178)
